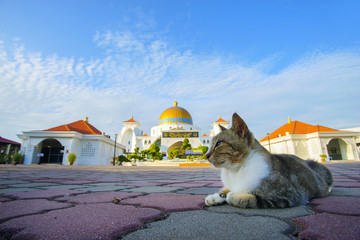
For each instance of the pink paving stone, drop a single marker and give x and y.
(44, 193)
(98, 197)
(341, 177)
(345, 180)
(78, 182)
(188, 185)
(349, 172)
(108, 180)
(88, 221)
(203, 181)
(216, 185)
(169, 202)
(347, 184)
(4, 199)
(49, 180)
(338, 205)
(24, 207)
(329, 226)
(140, 184)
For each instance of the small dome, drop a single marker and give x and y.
(175, 114)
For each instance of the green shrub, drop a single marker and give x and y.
(71, 158)
(122, 158)
(158, 156)
(4, 158)
(18, 158)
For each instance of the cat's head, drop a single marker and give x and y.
(231, 146)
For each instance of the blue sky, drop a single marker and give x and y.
(266, 60)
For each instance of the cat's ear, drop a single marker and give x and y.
(222, 128)
(239, 126)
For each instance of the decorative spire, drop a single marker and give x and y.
(289, 120)
(175, 103)
(86, 119)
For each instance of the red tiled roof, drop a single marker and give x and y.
(80, 126)
(145, 135)
(4, 140)
(222, 120)
(131, 119)
(296, 127)
(205, 135)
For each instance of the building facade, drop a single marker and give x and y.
(174, 125)
(54, 145)
(312, 141)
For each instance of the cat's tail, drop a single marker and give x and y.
(322, 171)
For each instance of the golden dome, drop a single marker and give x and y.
(175, 114)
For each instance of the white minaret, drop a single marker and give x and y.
(216, 126)
(128, 134)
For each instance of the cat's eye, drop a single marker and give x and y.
(218, 143)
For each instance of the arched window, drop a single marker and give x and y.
(145, 142)
(149, 141)
(208, 141)
(204, 142)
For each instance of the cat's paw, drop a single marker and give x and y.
(214, 199)
(241, 200)
(228, 197)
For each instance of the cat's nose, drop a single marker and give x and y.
(207, 155)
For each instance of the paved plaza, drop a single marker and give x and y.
(118, 202)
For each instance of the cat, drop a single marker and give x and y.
(255, 178)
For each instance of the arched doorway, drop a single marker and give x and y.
(51, 151)
(337, 149)
(177, 144)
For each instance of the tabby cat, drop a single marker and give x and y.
(254, 178)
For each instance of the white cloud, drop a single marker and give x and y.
(141, 75)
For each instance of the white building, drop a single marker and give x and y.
(54, 145)
(310, 141)
(174, 125)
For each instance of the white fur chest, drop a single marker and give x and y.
(248, 177)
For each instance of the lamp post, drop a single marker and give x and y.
(268, 135)
(114, 150)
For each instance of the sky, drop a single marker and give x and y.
(61, 61)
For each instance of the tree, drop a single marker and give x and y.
(186, 145)
(122, 159)
(145, 153)
(204, 150)
(174, 153)
(154, 151)
(136, 154)
(136, 149)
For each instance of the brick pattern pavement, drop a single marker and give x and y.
(77, 202)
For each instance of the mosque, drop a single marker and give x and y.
(93, 147)
(174, 125)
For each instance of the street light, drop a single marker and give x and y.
(114, 150)
(268, 135)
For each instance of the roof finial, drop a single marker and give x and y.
(86, 119)
(289, 120)
(175, 103)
